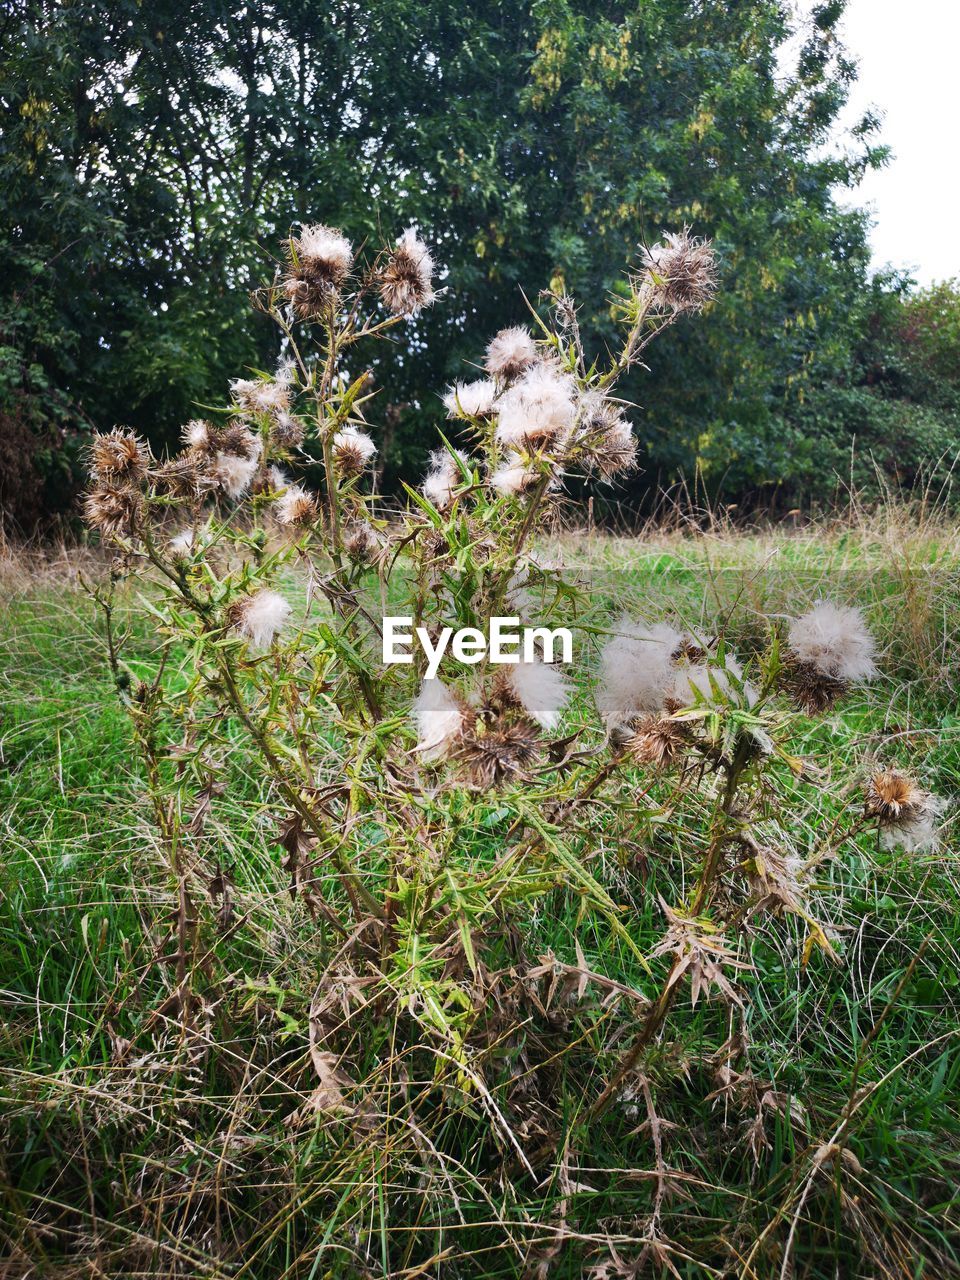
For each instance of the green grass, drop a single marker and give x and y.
(183, 1155)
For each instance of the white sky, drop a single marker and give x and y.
(909, 56)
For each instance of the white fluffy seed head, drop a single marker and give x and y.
(471, 399)
(539, 408)
(233, 473)
(196, 434)
(182, 543)
(326, 249)
(514, 476)
(834, 640)
(442, 479)
(406, 284)
(439, 718)
(636, 672)
(916, 830)
(255, 395)
(510, 352)
(260, 618)
(295, 506)
(541, 690)
(353, 449)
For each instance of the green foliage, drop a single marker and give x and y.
(151, 153)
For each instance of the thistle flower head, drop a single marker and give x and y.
(261, 395)
(440, 718)
(907, 815)
(234, 472)
(540, 689)
(362, 542)
(501, 753)
(442, 479)
(295, 506)
(199, 435)
(406, 283)
(637, 672)
(539, 408)
(834, 641)
(118, 455)
(605, 436)
(510, 352)
(680, 273)
(352, 449)
(182, 477)
(656, 741)
(515, 475)
(319, 260)
(113, 509)
(259, 618)
(288, 430)
(471, 399)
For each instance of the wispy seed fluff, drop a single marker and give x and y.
(471, 399)
(353, 449)
(439, 717)
(295, 506)
(539, 408)
(907, 815)
(637, 672)
(510, 352)
(443, 478)
(406, 283)
(260, 617)
(514, 476)
(319, 260)
(257, 395)
(234, 472)
(681, 273)
(541, 690)
(833, 639)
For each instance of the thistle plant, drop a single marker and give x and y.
(425, 823)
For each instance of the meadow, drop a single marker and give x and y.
(132, 1148)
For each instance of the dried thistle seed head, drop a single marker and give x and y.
(680, 273)
(406, 282)
(319, 261)
(260, 395)
(604, 436)
(259, 617)
(288, 431)
(238, 439)
(234, 473)
(471, 399)
(539, 408)
(892, 795)
(833, 641)
(516, 475)
(118, 455)
(540, 689)
(510, 353)
(656, 741)
(352, 450)
(443, 478)
(295, 506)
(440, 717)
(907, 815)
(200, 436)
(504, 753)
(362, 542)
(182, 477)
(813, 691)
(114, 510)
(636, 672)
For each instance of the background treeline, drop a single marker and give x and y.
(153, 155)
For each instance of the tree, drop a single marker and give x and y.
(157, 151)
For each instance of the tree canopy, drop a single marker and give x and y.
(155, 157)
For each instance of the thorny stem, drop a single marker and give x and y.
(661, 1006)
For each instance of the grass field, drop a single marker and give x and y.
(130, 1150)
